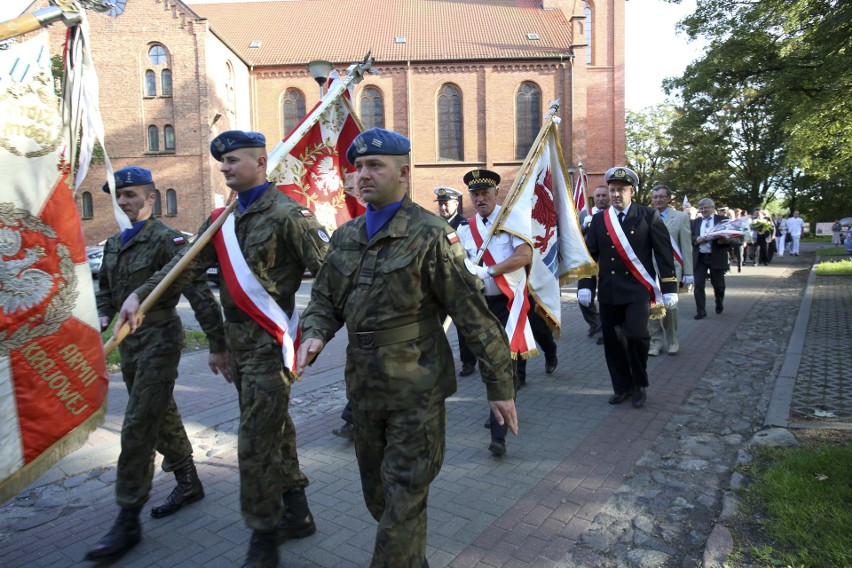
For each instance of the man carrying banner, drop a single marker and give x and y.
(627, 240)
(680, 232)
(387, 276)
(505, 253)
(263, 249)
(149, 361)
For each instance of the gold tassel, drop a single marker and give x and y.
(658, 311)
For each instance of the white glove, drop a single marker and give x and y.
(688, 279)
(587, 221)
(670, 300)
(480, 272)
(584, 296)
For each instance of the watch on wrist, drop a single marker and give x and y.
(491, 271)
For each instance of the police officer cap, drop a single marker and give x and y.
(620, 173)
(446, 194)
(378, 142)
(129, 176)
(231, 140)
(481, 179)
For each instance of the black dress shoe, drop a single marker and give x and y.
(346, 431)
(639, 397)
(618, 398)
(467, 370)
(719, 309)
(700, 315)
(550, 366)
(497, 447)
(599, 341)
(592, 332)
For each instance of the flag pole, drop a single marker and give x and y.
(523, 173)
(355, 73)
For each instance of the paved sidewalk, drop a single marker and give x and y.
(530, 508)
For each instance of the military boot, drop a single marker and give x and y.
(263, 550)
(297, 520)
(188, 490)
(124, 535)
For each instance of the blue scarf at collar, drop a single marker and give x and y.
(128, 234)
(378, 218)
(246, 198)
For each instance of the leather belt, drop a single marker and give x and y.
(234, 315)
(373, 339)
(159, 315)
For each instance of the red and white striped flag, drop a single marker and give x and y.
(315, 172)
(53, 379)
(580, 190)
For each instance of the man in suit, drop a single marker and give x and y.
(627, 240)
(708, 255)
(678, 226)
(590, 312)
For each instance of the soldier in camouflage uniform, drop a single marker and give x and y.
(278, 238)
(387, 276)
(149, 361)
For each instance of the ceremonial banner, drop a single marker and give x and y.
(315, 172)
(53, 380)
(544, 215)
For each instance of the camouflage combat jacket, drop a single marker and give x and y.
(406, 273)
(279, 239)
(127, 267)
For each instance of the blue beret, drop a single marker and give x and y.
(232, 140)
(378, 141)
(620, 173)
(129, 176)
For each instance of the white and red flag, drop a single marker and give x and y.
(315, 172)
(541, 211)
(53, 379)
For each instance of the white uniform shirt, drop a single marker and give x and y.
(706, 225)
(501, 247)
(795, 225)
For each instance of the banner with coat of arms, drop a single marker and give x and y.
(315, 172)
(53, 379)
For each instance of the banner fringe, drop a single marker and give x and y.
(71, 442)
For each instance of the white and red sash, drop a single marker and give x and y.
(628, 256)
(250, 296)
(678, 256)
(521, 340)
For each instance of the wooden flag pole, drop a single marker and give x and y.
(355, 73)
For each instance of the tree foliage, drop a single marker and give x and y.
(648, 145)
(767, 111)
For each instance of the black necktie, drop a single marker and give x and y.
(485, 220)
(621, 217)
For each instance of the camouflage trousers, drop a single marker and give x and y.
(266, 445)
(399, 453)
(151, 422)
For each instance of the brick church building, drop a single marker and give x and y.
(468, 81)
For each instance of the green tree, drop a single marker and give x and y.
(773, 91)
(648, 145)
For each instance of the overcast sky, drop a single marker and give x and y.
(653, 50)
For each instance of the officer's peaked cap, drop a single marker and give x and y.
(621, 173)
(481, 179)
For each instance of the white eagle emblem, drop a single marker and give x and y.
(21, 287)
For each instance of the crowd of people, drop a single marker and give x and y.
(392, 276)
